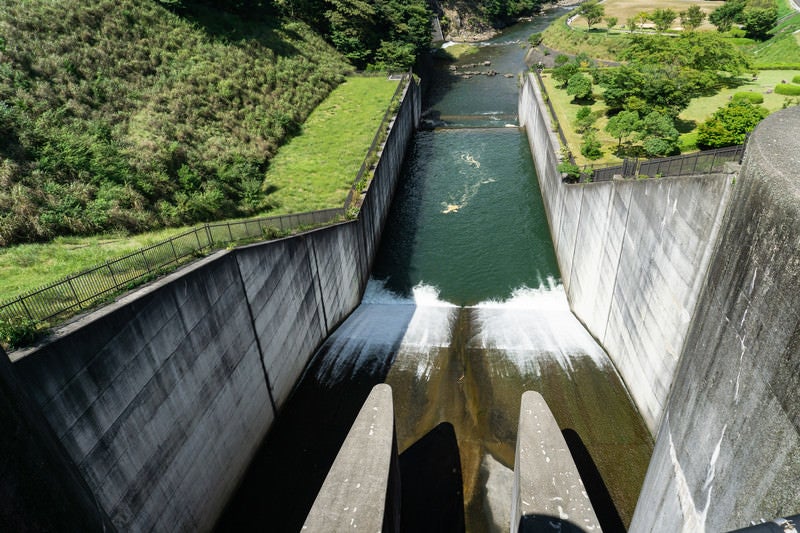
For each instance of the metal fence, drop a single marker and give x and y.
(93, 285)
(372, 154)
(561, 136)
(696, 164)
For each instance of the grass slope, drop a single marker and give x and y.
(120, 114)
(316, 169)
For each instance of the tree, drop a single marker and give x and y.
(590, 148)
(611, 22)
(663, 18)
(631, 24)
(730, 125)
(593, 11)
(623, 125)
(584, 119)
(692, 18)
(579, 86)
(565, 71)
(658, 135)
(724, 16)
(757, 22)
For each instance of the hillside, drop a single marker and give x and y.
(123, 114)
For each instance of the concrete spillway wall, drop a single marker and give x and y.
(633, 257)
(691, 286)
(728, 451)
(162, 398)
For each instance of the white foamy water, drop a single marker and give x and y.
(534, 326)
(387, 327)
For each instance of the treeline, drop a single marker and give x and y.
(372, 35)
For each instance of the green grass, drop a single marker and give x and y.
(566, 111)
(126, 115)
(699, 110)
(29, 266)
(597, 43)
(316, 169)
(782, 50)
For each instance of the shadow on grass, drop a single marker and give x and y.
(261, 23)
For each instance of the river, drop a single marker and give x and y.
(464, 312)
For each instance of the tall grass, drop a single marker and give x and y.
(123, 115)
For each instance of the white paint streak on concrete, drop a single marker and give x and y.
(694, 519)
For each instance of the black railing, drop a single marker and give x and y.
(372, 154)
(553, 116)
(87, 288)
(696, 164)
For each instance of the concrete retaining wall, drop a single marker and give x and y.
(633, 256)
(162, 398)
(728, 451)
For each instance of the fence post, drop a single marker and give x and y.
(146, 262)
(25, 307)
(113, 277)
(172, 244)
(210, 238)
(230, 233)
(74, 293)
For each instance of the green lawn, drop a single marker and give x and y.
(315, 170)
(567, 110)
(699, 110)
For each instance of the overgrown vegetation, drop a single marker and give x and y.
(123, 115)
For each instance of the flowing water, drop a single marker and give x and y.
(464, 313)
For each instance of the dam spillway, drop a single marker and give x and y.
(463, 313)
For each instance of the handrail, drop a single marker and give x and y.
(90, 286)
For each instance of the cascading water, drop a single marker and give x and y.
(464, 313)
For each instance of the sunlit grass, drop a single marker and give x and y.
(316, 169)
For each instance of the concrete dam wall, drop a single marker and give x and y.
(162, 398)
(633, 257)
(701, 319)
(728, 450)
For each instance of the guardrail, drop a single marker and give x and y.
(696, 164)
(372, 154)
(89, 287)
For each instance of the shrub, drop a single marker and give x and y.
(17, 332)
(796, 79)
(753, 98)
(535, 39)
(788, 89)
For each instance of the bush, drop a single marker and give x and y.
(535, 39)
(796, 79)
(17, 332)
(788, 89)
(753, 98)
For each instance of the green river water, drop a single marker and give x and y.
(464, 313)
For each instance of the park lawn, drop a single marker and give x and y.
(567, 111)
(701, 109)
(341, 130)
(316, 170)
(698, 111)
(624, 9)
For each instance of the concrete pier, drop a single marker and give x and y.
(548, 491)
(361, 490)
